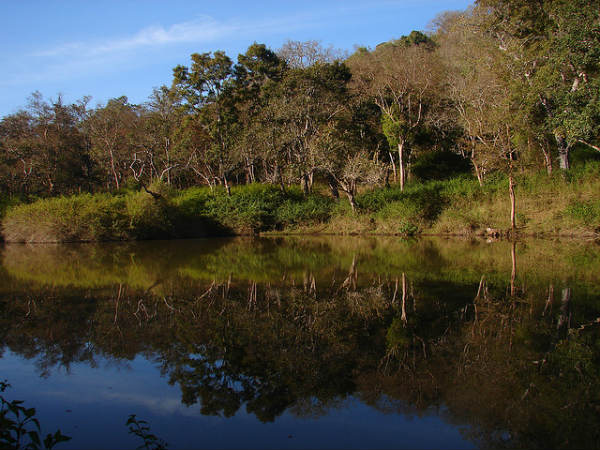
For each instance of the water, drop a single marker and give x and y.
(321, 342)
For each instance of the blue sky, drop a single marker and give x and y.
(111, 48)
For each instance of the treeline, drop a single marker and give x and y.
(508, 85)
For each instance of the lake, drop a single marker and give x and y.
(307, 342)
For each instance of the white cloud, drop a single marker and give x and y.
(203, 29)
(78, 59)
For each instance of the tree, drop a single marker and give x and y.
(471, 62)
(402, 81)
(353, 149)
(257, 73)
(160, 119)
(301, 55)
(206, 89)
(109, 128)
(44, 147)
(308, 103)
(555, 45)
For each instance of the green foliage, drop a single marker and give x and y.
(147, 216)
(424, 200)
(19, 428)
(299, 210)
(392, 128)
(255, 207)
(456, 205)
(587, 212)
(248, 209)
(7, 202)
(86, 217)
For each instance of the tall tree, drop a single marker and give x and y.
(109, 128)
(45, 147)
(403, 81)
(309, 102)
(206, 87)
(555, 46)
(303, 54)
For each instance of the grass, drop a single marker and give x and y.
(546, 205)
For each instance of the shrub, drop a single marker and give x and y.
(148, 217)
(86, 217)
(19, 428)
(587, 212)
(297, 210)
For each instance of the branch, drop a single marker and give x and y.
(595, 147)
(168, 169)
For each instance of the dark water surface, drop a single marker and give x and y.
(321, 342)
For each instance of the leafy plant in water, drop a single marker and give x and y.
(19, 428)
(141, 429)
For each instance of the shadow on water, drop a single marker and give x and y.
(500, 339)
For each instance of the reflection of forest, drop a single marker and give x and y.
(506, 349)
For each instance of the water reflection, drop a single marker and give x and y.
(500, 339)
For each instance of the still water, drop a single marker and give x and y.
(322, 342)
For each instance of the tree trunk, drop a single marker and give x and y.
(478, 173)
(403, 315)
(401, 164)
(547, 157)
(250, 178)
(226, 184)
(279, 177)
(564, 318)
(113, 169)
(304, 183)
(333, 186)
(393, 167)
(350, 190)
(563, 153)
(350, 196)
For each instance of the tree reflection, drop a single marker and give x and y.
(510, 357)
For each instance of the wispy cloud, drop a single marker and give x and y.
(203, 29)
(80, 58)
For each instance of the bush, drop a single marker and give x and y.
(249, 208)
(587, 212)
(297, 209)
(86, 217)
(423, 202)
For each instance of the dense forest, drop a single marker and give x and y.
(506, 88)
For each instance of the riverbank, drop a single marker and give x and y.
(557, 205)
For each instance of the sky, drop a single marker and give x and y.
(110, 48)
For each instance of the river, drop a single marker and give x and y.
(307, 342)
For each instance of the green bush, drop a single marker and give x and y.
(297, 209)
(418, 202)
(587, 212)
(19, 427)
(87, 217)
(249, 208)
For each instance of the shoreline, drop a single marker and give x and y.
(519, 236)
